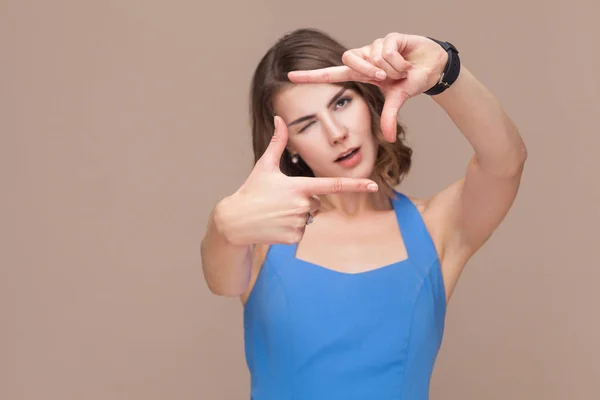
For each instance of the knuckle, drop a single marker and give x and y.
(289, 238)
(300, 223)
(295, 236)
(396, 75)
(388, 53)
(303, 205)
(346, 56)
(337, 185)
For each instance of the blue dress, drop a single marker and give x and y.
(312, 333)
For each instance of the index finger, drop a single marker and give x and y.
(316, 186)
(336, 74)
(355, 61)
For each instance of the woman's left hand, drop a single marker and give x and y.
(403, 66)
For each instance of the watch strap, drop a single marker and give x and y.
(451, 70)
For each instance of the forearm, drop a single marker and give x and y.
(499, 148)
(226, 266)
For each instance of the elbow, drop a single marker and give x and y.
(520, 158)
(521, 153)
(512, 160)
(223, 285)
(515, 154)
(515, 161)
(514, 164)
(506, 164)
(224, 290)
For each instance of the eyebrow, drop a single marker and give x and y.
(331, 102)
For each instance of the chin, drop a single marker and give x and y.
(363, 170)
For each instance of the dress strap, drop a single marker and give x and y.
(419, 244)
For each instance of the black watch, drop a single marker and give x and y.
(451, 71)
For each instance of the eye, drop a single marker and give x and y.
(343, 101)
(306, 126)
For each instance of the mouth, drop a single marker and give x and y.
(347, 154)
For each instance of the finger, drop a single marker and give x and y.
(312, 186)
(377, 58)
(293, 235)
(389, 115)
(272, 156)
(299, 222)
(391, 53)
(315, 204)
(356, 62)
(336, 74)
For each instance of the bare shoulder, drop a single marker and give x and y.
(440, 213)
(442, 208)
(258, 258)
(419, 203)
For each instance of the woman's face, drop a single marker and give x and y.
(327, 122)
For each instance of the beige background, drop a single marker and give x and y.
(123, 122)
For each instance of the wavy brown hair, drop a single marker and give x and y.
(306, 49)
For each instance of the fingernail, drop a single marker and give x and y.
(275, 122)
(380, 75)
(372, 187)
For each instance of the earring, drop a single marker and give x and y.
(295, 158)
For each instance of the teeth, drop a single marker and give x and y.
(346, 154)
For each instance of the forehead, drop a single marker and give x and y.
(305, 98)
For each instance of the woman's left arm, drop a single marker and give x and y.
(404, 66)
(476, 205)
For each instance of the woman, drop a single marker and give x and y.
(344, 279)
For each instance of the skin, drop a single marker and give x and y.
(460, 218)
(361, 227)
(333, 130)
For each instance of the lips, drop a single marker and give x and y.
(346, 153)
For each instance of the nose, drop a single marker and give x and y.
(335, 130)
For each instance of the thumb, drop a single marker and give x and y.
(389, 115)
(272, 155)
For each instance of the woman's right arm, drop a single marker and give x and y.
(269, 208)
(226, 266)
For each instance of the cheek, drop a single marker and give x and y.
(310, 147)
(313, 154)
(361, 118)
(363, 125)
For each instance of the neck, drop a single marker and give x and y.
(354, 204)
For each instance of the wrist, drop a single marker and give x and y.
(450, 68)
(224, 221)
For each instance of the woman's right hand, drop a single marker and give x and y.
(271, 207)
